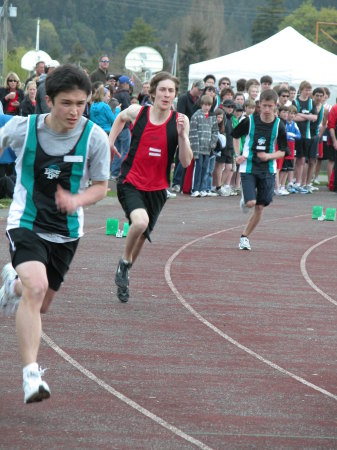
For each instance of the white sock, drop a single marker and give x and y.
(11, 286)
(32, 367)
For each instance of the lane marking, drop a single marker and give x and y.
(121, 396)
(143, 410)
(306, 275)
(216, 330)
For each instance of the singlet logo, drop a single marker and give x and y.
(261, 143)
(52, 172)
(154, 151)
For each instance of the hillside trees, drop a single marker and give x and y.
(267, 20)
(304, 21)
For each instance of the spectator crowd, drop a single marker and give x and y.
(214, 108)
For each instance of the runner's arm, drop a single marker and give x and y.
(185, 151)
(127, 115)
(68, 203)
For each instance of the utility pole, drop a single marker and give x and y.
(6, 12)
(4, 32)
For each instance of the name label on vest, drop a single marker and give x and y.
(73, 158)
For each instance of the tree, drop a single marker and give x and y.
(267, 20)
(195, 51)
(14, 63)
(140, 34)
(304, 21)
(78, 54)
(49, 38)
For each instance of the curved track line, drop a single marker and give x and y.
(305, 273)
(121, 396)
(219, 332)
(138, 407)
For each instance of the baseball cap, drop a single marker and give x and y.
(125, 79)
(238, 107)
(229, 103)
(53, 63)
(199, 84)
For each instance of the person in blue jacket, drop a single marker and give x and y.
(100, 111)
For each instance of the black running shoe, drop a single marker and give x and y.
(122, 274)
(123, 294)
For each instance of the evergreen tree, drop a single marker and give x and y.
(267, 20)
(195, 51)
(140, 34)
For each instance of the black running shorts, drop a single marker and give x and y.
(25, 245)
(131, 198)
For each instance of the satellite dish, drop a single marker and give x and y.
(142, 59)
(29, 59)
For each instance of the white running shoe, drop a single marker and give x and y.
(212, 194)
(195, 194)
(316, 181)
(283, 191)
(224, 191)
(170, 194)
(8, 302)
(34, 388)
(203, 194)
(243, 206)
(244, 244)
(176, 188)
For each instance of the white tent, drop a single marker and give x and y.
(286, 56)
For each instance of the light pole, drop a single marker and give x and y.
(6, 12)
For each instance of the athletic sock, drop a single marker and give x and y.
(32, 367)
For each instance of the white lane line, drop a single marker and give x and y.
(135, 405)
(219, 332)
(121, 396)
(305, 273)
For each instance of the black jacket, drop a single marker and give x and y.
(26, 107)
(5, 103)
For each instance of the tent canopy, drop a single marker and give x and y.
(286, 56)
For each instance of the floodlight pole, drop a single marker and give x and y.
(4, 34)
(6, 12)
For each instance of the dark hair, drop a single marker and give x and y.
(266, 79)
(268, 94)
(241, 84)
(239, 94)
(226, 91)
(318, 90)
(67, 78)
(282, 91)
(224, 79)
(221, 125)
(283, 108)
(95, 85)
(161, 76)
(209, 76)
